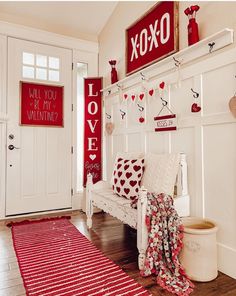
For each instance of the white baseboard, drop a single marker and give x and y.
(227, 260)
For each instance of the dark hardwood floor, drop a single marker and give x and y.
(117, 242)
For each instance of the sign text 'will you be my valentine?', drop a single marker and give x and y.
(41, 104)
(92, 128)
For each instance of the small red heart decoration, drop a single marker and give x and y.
(133, 97)
(162, 84)
(151, 91)
(126, 167)
(125, 96)
(141, 96)
(141, 119)
(195, 108)
(118, 189)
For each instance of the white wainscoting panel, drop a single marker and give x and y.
(208, 137)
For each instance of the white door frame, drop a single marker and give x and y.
(88, 50)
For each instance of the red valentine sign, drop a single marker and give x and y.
(93, 128)
(152, 37)
(41, 104)
(166, 123)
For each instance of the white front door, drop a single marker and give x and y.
(39, 164)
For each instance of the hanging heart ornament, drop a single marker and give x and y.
(110, 127)
(162, 85)
(232, 105)
(195, 108)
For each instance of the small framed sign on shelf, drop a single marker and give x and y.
(153, 37)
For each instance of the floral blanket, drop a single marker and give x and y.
(165, 233)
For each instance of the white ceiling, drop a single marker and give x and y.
(81, 19)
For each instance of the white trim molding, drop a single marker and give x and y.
(36, 35)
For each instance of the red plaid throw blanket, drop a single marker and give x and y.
(164, 244)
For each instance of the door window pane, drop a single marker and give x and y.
(41, 74)
(28, 58)
(53, 75)
(41, 60)
(54, 63)
(28, 72)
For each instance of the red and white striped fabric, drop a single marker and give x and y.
(55, 259)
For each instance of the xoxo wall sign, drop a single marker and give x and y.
(92, 128)
(152, 37)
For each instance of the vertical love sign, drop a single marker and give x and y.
(41, 104)
(93, 128)
(152, 37)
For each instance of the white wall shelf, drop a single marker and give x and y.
(201, 49)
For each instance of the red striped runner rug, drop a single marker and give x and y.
(55, 259)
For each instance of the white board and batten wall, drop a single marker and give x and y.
(208, 137)
(82, 51)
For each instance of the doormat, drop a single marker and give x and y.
(55, 259)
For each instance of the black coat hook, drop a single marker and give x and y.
(108, 116)
(122, 114)
(141, 108)
(195, 94)
(177, 63)
(211, 45)
(164, 102)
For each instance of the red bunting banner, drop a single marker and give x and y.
(92, 128)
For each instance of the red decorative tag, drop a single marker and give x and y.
(133, 97)
(92, 128)
(125, 96)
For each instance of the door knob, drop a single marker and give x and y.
(12, 147)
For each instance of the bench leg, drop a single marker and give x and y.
(142, 235)
(89, 204)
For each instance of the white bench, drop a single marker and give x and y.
(101, 195)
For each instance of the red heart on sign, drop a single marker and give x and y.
(126, 167)
(141, 96)
(118, 189)
(151, 91)
(162, 84)
(125, 96)
(195, 108)
(133, 97)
